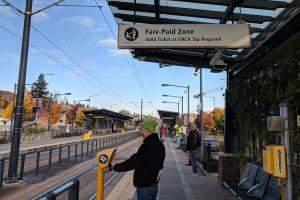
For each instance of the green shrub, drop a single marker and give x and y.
(33, 129)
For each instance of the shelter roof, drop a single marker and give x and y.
(271, 22)
(106, 113)
(167, 114)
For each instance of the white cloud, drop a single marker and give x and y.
(81, 21)
(118, 52)
(40, 17)
(108, 42)
(99, 29)
(7, 57)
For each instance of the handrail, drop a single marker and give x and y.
(100, 143)
(65, 182)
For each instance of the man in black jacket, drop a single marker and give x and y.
(146, 163)
(192, 144)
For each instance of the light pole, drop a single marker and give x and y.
(214, 98)
(90, 99)
(178, 97)
(188, 97)
(49, 107)
(111, 105)
(172, 102)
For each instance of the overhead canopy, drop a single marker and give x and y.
(272, 22)
(167, 115)
(98, 113)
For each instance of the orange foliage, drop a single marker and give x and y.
(55, 113)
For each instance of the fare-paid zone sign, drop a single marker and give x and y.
(184, 36)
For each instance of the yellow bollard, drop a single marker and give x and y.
(86, 136)
(100, 183)
(105, 158)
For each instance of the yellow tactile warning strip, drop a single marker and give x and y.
(124, 190)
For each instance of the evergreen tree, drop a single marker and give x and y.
(39, 88)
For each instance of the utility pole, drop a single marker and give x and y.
(142, 109)
(13, 114)
(49, 113)
(18, 110)
(182, 110)
(201, 102)
(143, 104)
(188, 107)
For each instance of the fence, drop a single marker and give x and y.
(91, 146)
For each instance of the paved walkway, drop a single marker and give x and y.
(176, 182)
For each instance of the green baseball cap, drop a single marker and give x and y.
(149, 124)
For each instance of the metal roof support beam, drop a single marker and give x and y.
(191, 60)
(228, 13)
(189, 12)
(157, 11)
(152, 20)
(291, 27)
(256, 4)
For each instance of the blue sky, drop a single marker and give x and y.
(83, 34)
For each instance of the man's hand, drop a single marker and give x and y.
(113, 163)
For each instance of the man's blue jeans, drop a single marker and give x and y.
(192, 155)
(147, 193)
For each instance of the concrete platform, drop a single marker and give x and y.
(176, 182)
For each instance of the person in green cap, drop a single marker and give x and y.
(146, 163)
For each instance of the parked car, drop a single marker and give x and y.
(215, 145)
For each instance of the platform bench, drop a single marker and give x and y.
(256, 185)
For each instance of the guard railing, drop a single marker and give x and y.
(90, 146)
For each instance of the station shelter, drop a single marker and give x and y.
(259, 78)
(168, 117)
(106, 121)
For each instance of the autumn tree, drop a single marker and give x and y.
(79, 120)
(27, 107)
(69, 117)
(208, 121)
(7, 113)
(55, 112)
(218, 116)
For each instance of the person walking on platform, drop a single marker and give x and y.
(147, 163)
(192, 144)
(163, 132)
(179, 133)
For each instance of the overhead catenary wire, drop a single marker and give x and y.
(107, 90)
(55, 60)
(52, 58)
(134, 68)
(72, 59)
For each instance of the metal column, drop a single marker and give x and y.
(15, 143)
